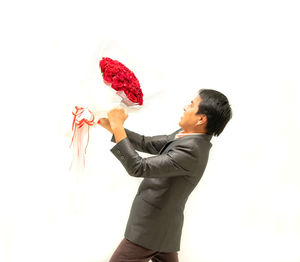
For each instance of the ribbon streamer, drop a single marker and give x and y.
(83, 119)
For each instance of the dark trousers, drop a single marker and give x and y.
(130, 252)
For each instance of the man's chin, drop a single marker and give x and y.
(180, 124)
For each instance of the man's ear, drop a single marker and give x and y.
(202, 120)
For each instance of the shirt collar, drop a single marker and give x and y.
(180, 134)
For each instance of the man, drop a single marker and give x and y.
(155, 222)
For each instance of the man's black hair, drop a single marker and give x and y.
(217, 109)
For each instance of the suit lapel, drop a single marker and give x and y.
(204, 136)
(169, 142)
(166, 145)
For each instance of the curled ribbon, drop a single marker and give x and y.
(83, 119)
(80, 118)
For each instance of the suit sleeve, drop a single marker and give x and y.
(148, 144)
(176, 162)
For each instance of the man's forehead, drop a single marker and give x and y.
(196, 98)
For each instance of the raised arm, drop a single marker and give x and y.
(178, 161)
(181, 160)
(147, 144)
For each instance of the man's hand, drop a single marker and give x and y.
(104, 122)
(117, 117)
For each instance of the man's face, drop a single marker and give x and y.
(189, 119)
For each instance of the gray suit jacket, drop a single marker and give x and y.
(156, 217)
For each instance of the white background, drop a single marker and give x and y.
(246, 206)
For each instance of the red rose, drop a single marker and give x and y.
(120, 78)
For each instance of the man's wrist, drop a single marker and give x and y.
(116, 126)
(119, 132)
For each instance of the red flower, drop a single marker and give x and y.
(121, 79)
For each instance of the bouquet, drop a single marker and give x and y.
(124, 82)
(120, 78)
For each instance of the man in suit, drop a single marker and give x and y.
(155, 222)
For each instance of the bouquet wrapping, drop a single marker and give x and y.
(126, 86)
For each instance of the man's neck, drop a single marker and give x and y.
(193, 132)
